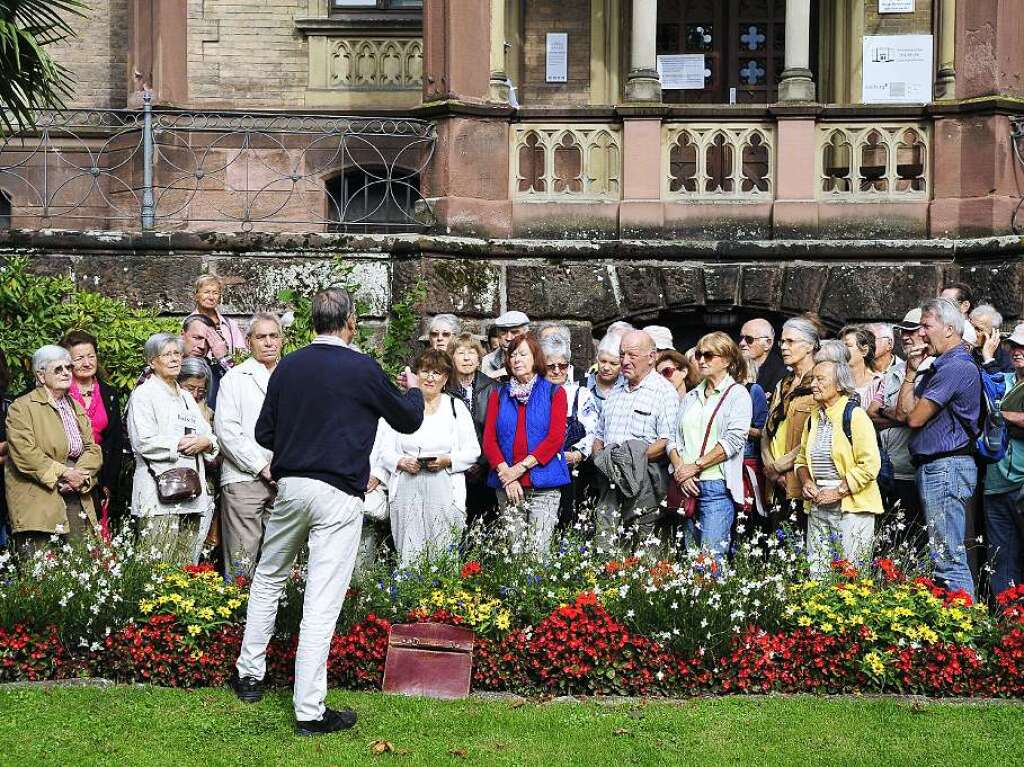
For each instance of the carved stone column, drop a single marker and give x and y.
(642, 83)
(797, 82)
(945, 81)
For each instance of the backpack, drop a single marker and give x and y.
(991, 438)
(574, 428)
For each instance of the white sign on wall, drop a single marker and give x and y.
(682, 72)
(895, 6)
(557, 57)
(897, 69)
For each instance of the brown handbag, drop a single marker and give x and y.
(177, 484)
(686, 505)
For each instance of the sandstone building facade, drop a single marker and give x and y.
(526, 154)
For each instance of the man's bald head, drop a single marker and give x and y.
(756, 339)
(636, 352)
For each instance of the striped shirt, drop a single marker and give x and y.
(648, 412)
(69, 420)
(823, 468)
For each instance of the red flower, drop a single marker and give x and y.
(470, 569)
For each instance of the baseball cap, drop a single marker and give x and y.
(661, 335)
(511, 320)
(1017, 337)
(911, 320)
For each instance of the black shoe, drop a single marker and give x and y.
(332, 721)
(249, 689)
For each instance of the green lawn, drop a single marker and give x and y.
(151, 726)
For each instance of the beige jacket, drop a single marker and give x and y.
(38, 456)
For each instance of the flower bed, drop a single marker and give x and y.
(577, 622)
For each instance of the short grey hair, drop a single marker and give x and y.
(843, 375)
(832, 351)
(263, 317)
(883, 329)
(803, 328)
(555, 330)
(946, 312)
(446, 319)
(203, 279)
(554, 347)
(331, 309)
(987, 310)
(157, 342)
(194, 367)
(45, 355)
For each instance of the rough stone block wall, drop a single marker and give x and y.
(246, 54)
(98, 57)
(541, 17)
(917, 23)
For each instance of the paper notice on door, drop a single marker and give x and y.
(557, 57)
(682, 72)
(897, 69)
(895, 6)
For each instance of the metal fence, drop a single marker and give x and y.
(167, 169)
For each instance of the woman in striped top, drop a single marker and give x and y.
(838, 466)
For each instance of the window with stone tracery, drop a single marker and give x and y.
(742, 41)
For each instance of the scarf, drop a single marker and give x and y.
(520, 392)
(790, 388)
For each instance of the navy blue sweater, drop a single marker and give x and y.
(320, 415)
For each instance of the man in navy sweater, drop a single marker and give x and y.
(319, 418)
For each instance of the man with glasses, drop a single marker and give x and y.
(643, 407)
(509, 325)
(757, 342)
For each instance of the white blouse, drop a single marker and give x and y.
(448, 431)
(157, 418)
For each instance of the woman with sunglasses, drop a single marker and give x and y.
(52, 460)
(673, 366)
(581, 422)
(707, 451)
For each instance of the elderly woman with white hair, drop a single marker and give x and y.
(837, 467)
(52, 460)
(791, 405)
(441, 331)
(607, 371)
(169, 434)
(994, 356)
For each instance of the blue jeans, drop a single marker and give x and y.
(1003, 538)
(715, 514)
(946, 486)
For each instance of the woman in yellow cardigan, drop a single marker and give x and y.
(838, 474)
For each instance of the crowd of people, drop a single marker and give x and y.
(649, 447)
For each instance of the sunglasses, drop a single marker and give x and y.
(705, 356)
(58, 369)
(558, 366)
(668, 371)
(750, 339)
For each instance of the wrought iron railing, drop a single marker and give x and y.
(167, 169)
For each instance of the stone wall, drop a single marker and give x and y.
(246, 55)
(693, 287)
(539, 18)
(98, 58)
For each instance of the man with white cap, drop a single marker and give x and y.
(662, 337)
(894, 434)
(509, 325)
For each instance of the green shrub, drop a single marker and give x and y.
(39, 309)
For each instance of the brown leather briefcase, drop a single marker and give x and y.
(430, 659)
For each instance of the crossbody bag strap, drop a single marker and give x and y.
(711, 421)
(149, 466)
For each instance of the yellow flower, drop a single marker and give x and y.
(233, 603)
(827, 627)
(875, 663)
(146, 607)
(223, 612)
(206, 614)
(504, 621)
(193, 629)
(804, 620)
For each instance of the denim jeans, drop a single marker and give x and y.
(1003, 537)
(715, 514)
(946, 486)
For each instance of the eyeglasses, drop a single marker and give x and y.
(58, 369)
(558, 366)
(668, 371)
(170, 355)
(84, 358)
(431, 374)
(748, 340)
